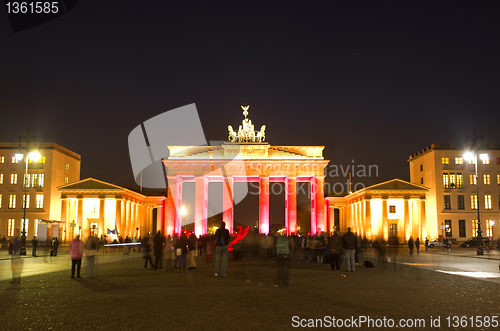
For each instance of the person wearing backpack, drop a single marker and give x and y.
(221, 249)
(283, 261)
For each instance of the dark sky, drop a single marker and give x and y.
(372, 81)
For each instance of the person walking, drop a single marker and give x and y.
(411, 244)
(55, 245)
(34, 244)
(146, 250)
(76, 248)
(417, 245)
(426, 244)
(349, 243)
(305, 244)
(283, 261)
(221, 249)
(487, 244)
(335, 246)
(90, 252)
(192, 250)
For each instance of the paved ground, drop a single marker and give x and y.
(126, 296)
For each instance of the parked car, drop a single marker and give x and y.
(471, 242)
(437, 243)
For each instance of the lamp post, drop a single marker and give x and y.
(473, 156)
(28, 138)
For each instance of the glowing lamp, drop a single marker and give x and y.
(35, 156)
(469, 156)
(19, 156)
(183, 210)
(492, 222)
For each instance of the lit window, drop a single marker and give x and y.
(460, 180)
(447, 224)
(452, 181)
(459, 160)
(42, 159)
(392, 209)
(472, 161)
(447, 202)
(486, 159)
(26, 201)
(67, 166)
(34, 179)
(1, 179)
(66, 180)
(39, 201)
(498, 180)
(473, 201)
(35, 228)
(14, 159)
(0, 200)
(27, 181)
(446, 180)
(2, 159)
(460, 201)
(10, 227)
(473, 179)
(487, 179)
(13, 179)
(12, 201)
(41, 179)
(489, 228)
(487, 201)
(445, 160)
(474, 228)
(24, 226)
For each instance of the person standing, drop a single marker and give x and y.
(426, 244)
(487, 244)
(411, 244)
(90, 253)
(55, 245)
(34, 244)
(283, 261)
(305, 244)
(221, 249)
(349, 243)
(417, 245)
(192, 250)
(158, 250)
(335, 245)
(76, 248)
(146, 250)
(182, 245)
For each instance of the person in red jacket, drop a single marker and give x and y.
(76, 249)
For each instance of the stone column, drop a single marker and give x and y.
(128, 209)
(169, 213)
(407, 230)
(291, 204)
(118, 215)
(264, 205)
(314, 191)
(423, 222)
(175, 188)
(200, 205)
(228, 204)
(320, 204)
(368, 215)
(101, 230)
(82, 224)
(64, 218)
(385, 220)
(160, 224)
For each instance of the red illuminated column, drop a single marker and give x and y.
(291, 205)
(169, 213)
(228, 203)
(314, 190)
(200, 205)
(175, 187)
(320, 204)
(264, 205)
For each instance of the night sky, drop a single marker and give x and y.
(372, 81)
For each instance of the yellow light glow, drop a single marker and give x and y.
(183, 210)
(35, 156)
(469, 156)
(484, 157)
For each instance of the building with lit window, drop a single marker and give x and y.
(57, 165)
(452, 197)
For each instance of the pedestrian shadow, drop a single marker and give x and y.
(99, 285)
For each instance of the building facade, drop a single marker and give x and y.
(57, 165)
(452, 200)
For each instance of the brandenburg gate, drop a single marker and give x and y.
(246, 157)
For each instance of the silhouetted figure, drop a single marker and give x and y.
(76, 249)
(221, 249)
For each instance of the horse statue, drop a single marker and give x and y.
(261, 135)
(232, 134)
(241, 135)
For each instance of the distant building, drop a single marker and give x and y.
(57, 166)
(452, 198)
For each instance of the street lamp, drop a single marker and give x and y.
(35, 156)
(472, 156)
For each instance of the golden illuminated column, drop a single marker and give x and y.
(144, 219)
(128, 209)
(264, 204)
(118, 215)
(101, 229)
(291, 204)
(423, 221)
(407, 228)
(368, 215)
(201, 206)
(64, 216)
(79, 218)
(227, 204)
(320, 204)
(385, 220)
